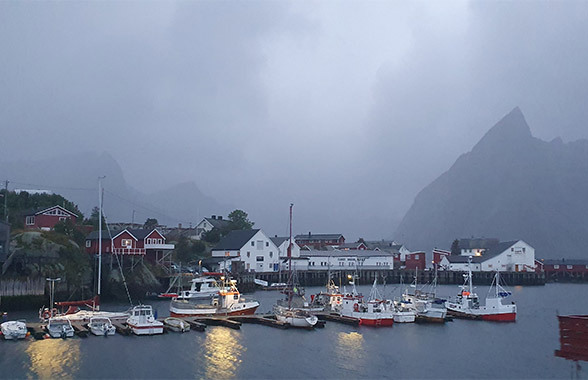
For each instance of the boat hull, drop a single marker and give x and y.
(497, 317)
(147, 329)
(377, 322)
(209, 312)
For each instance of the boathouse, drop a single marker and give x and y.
(510, 256)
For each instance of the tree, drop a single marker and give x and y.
(93, 220)
(213, 236)
(455, 250)
(239, 220)
(150, 223)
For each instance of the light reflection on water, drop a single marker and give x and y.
(223, 352)
(349, 350)
(54, 358)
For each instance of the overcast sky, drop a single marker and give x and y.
(347, 109)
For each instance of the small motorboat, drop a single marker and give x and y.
(142, 321)
(101, 326)
(14, 329)
(176, 324)
(59, 327)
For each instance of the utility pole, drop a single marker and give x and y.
(6, 201)
(52, 292)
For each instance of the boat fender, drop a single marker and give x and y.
(355, 307)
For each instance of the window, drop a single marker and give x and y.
(127, 243)
(416, 257)
(149, 241)
(259, 258)
(556, 266)
(62, 218)
(252, 243)
(570, 266)
(30, 220)
(248, 254)
(267, 243)
(159, 241)
(88, 243)
(271, 254)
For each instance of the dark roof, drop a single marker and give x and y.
(564, 262)
(218, 223)
(488, 254)
(318, 237)
(339, 253)
(234, 240)
(278, 240)
(478, 243)
(140, 233)
(94, 235)
(351, 245)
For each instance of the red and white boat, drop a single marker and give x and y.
(467, 304)
(143, 322)
(374, 312)
(228, 301)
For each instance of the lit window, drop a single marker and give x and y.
(127, 243)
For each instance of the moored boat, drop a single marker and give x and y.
(228, 301)
(295, 317)
(142, 322)
(467, 304)
(101, 326)
(14, 330)
(59, 327)
(375, 312)
(176, 324)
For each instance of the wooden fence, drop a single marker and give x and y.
(28, 287)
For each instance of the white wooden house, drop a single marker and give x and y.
(511, 256)
(253, 248)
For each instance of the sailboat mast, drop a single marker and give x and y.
(100, 194)
(291, 283)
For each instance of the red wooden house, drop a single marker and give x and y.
(46, 218)
(415, 260)
(148, 243)
(438, 255)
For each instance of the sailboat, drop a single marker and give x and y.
(426, 305)
(73, 312)
(467, 304)
(285, 310)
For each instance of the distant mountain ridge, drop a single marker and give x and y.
(511, 185)
(76, 178)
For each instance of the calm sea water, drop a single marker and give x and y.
(459, 349)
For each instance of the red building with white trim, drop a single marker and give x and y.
(318, 241)
(415, 260)
(46, 218)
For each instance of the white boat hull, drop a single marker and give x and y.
(12, 330)
(147, 329)
(404, 316)
(241, 308)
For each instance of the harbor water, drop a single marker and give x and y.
(458, 349)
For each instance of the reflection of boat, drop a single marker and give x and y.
(142, 322)
(14, 329)
(228, 301)
(285, 310)
(176, 324)
(59, 327)
(101, 326)
(467, 304)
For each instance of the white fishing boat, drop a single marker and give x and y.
(426, 305)
(329, 300)
(14, 330)
(467, 304)
(228, 301)
(176, 324)
(101, 326)
(59, 327)
(201, 288)
(402, 313)
(375, 312)
(142, 322)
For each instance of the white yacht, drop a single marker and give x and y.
(142, 322)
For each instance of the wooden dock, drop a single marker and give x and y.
(37, 330)
(335, 317)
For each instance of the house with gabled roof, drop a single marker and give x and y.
(252, 248)
(282, 244)
(208, 224)
(318, 241)
(45, 218)
(137, 242)
(509, 256)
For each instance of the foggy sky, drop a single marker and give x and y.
(346, 109)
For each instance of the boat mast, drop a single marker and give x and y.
(291, 283)
(470, 286)
(100, 195)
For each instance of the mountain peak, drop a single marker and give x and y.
(511, 128)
